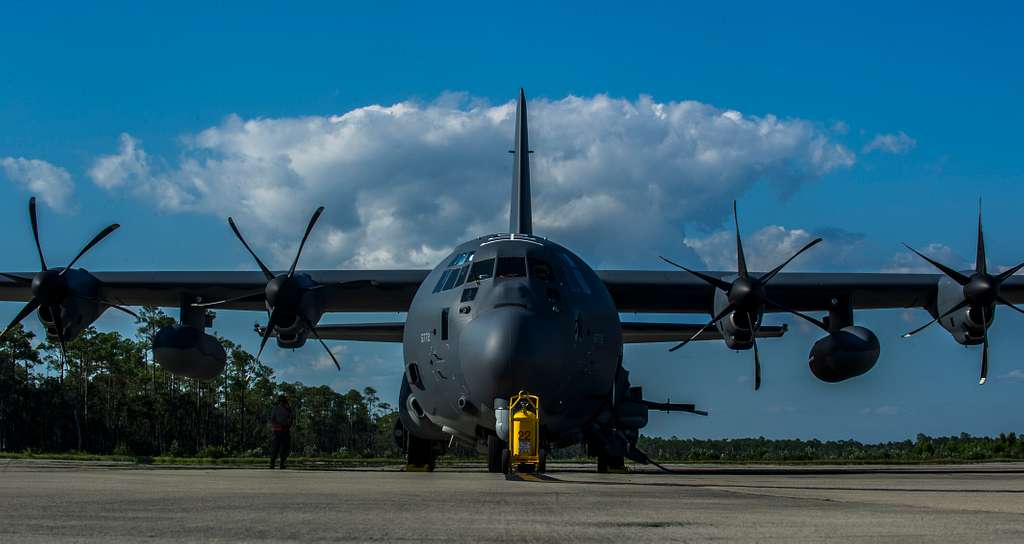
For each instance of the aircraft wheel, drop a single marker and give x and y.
(610, 463)
(542, 465)
(495, 447)
(506, 461)
(421, 453)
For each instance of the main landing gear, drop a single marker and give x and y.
(497, 455)
(422, 455)
(614, 464)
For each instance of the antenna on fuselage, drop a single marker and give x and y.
(520, 216)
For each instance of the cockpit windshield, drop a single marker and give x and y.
(511, 267)
(541, 270)
(481, 270)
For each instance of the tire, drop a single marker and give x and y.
(421, 453)
(495, 447)
(610, 463)
(542, 465)
(506, 461)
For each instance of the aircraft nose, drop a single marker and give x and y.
(507, 349)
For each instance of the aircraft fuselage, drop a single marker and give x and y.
(505, 313)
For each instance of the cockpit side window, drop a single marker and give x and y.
(450, 281)
(511, 267)
(481, 270)
(462, 276)
(461, 259)
(440, 282)
(541, 270)
(575, 278)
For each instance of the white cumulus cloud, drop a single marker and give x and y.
(401, 183)
(51, 184)
(1015, 375)
(907, 262)
(896, 144)
(769, 246)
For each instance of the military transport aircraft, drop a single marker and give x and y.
(514, 311)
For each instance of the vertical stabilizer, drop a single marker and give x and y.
(521, 218)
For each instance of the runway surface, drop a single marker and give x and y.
(46, 501)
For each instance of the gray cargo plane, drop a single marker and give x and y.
(514, 311)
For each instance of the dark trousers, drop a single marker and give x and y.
(282, 444)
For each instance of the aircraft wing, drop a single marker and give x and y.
(632, 332)
(357, 290)
(644, 291)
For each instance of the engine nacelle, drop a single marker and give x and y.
(77, 309)
(844, 354)
(292, 336)
(76, 316)
(965, 325)
(737, 331)
(291, 330)
(187, 351)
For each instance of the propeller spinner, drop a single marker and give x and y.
(747, 296)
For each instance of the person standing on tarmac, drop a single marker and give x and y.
(281, 424)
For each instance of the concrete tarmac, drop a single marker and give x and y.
(108, 502)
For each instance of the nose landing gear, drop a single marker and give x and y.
(497, 455)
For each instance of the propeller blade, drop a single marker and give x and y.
(1005, 302)
(953, 274)
(1002, 276)
(817, 323)
(27, 309)
(309, 228)
(35, 231)
(108, 305)
(227, 300)
(58, 322)
(725, 311)
(266, 336)
(95, 240)
(711, 280)
(266, 271)
(768, 277)
(741, 260)
(757, 364)
(959, 305)
(312, 329)
(980, 263)
(984, 349)
(17, 279)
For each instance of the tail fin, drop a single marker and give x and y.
(521, 218)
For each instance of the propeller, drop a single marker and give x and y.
(980, 290)
(50, 288)
(283, 292)
(747, 296)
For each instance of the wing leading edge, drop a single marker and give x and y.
(374, 290)
(650, 291)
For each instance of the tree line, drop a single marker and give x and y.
(110, 397)
(922, 448)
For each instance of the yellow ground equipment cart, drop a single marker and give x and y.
(524, 433)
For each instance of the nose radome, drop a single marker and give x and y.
(507, 349)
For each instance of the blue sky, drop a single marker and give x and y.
(915, 101)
